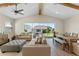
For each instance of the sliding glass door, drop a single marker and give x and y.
(44, 28)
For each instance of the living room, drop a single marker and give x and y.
(14, 21)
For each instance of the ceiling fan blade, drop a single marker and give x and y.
(21, 13)
(20, 10)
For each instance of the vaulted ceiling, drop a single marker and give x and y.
(61, 11)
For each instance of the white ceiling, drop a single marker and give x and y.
(59, 11)
(50, 9)
(29, 9)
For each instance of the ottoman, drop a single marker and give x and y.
(13, 46)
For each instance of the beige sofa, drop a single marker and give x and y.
(36, 49)
(3, 39)
(27, 36)
(75, 46)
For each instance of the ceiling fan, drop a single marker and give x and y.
(18, 11)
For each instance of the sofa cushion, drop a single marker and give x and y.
(15, 42)
(14, 45)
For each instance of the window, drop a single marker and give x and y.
(8, 27)
(8, 24)
(29, 26)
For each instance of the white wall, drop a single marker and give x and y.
(72, 24)
(19, 24)
(5, 19)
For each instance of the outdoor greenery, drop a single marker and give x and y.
(47, 32)
(25, 30)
